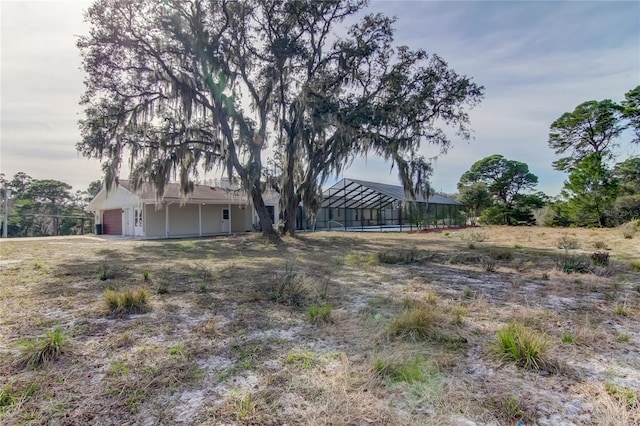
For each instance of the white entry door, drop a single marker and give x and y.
(138, 229)
(225, 221)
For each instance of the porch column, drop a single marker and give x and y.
(166, 221)
(229, 218)
(200, 219)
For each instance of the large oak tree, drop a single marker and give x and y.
(178, 87)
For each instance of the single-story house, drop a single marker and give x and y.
(208, 210)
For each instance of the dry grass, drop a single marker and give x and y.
(239, 336)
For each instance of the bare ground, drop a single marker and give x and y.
(226, 344)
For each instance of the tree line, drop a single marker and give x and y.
(602, 189)
(39, 207)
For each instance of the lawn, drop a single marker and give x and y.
(477, 326)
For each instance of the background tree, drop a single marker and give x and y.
(506, 180)
(42, 207)
(627, 205)
(590, 192)
(631, 111)
(191, 86)
(476, 198)
(592, 128)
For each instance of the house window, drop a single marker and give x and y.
(225, 214)
(137, 218)
(272, 214)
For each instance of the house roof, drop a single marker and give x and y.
(201, 193)
(353, 193)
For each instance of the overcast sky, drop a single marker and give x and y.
(536, 61)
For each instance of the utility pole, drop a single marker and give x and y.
(5, 223)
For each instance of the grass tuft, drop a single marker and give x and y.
(420, 323)
(523, 346)
(127, 301)
(629, 229)
(37, 352)
(399, 257)
(600, 258)
(319, 314)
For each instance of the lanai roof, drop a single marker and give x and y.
(360, 194)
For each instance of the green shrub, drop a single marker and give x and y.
(298, 359)
(568, 338)
(319, 314)
(635, 265)
(162, 289)
(37, 352)
(127, 301)
(523, 346)
(146, 274)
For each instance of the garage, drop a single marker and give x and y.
(112, 222)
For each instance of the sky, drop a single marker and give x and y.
(536, 60)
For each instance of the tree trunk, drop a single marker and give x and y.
(263, 214)
(290, 213)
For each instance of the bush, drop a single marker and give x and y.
(568, 243)
(575, 264)
(127, 301)
(600, 258)
(489, 263)
(629, 229)
(37, 352)
(288, 288)
(521, 345)
(399, 257)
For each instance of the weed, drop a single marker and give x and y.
(37, 352)
(319, 314)
(104, 273)
(288, 288)
(567, 243)
(414, 371)
(635, 265)
(432, 299)
(504, 254)
(545, 276)
(244, 406)
(127, 301)
(162, 289)
(300, 359)
(471, 246)
(120, 368)
(202, 288)
(468, 293)
(177, 351)
(489, 263)
(600, 245)
(621, 310)
(568, 338)
(629, 229)
(458, 313)
(10, 396)
(146, 275)
(623, 338)
(402, 257)
(521, 345)
(416, 324)
(353, 259)
(37, 265)
(512, 408)
(623, 394)
(600, 258)
(575, 264)
(446, 233)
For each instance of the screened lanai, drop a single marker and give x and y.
(357, 205)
